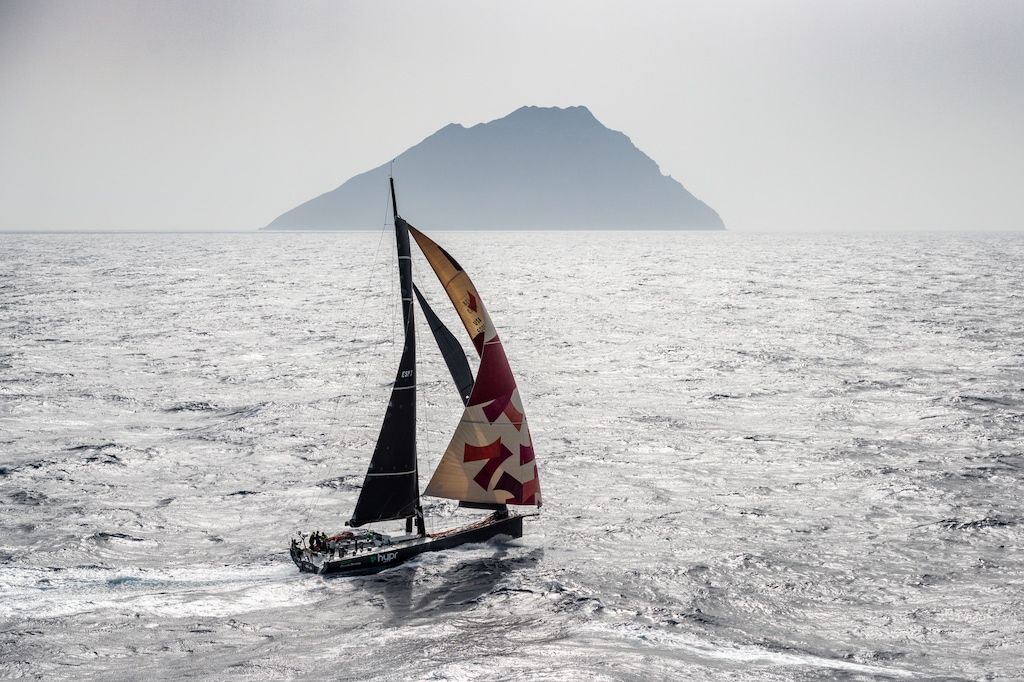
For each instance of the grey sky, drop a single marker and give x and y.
(795, 115)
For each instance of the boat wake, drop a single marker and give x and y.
(648, 641)
(197, 591)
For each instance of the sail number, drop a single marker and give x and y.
(385, 558)
(406, 373)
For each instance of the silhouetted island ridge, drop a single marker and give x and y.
(537, 168)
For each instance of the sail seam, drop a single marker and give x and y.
(397, 473)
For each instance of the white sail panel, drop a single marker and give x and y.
(488, 461)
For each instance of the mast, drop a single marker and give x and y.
(409, 322)
(394, 206)
(391, 487)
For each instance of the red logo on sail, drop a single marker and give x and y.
(496, 454)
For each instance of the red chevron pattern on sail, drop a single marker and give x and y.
(481, 462)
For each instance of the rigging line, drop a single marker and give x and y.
(337, 402)
(421, 398)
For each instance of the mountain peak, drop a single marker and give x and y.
(535, 168)
(574, 115)
(577, 110)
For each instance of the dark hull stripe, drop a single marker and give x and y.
(386, 557)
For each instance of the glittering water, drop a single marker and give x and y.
(761, 457)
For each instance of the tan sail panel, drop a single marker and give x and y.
(459, 287)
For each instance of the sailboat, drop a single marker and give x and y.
(488, 465)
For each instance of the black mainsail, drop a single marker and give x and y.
(391, 487)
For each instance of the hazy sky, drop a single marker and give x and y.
(787, 115)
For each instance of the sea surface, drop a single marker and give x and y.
(762, 457)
